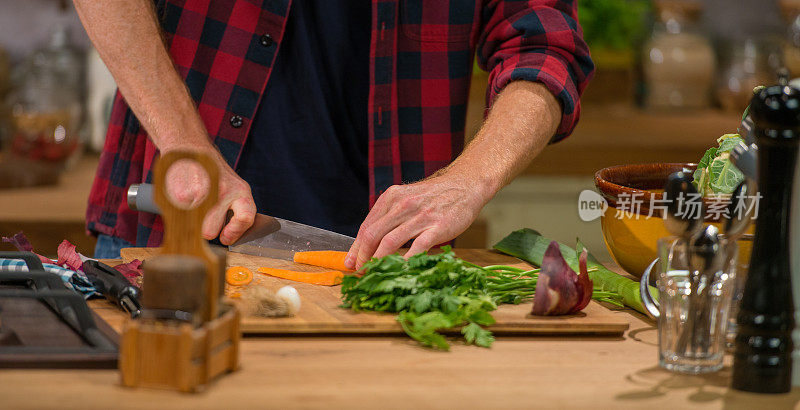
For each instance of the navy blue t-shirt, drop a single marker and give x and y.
(306, 156)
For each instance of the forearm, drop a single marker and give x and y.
(127, 36)
(521, 122)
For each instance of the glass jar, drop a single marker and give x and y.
(678, 60)
(791, 44)
(46, 106)
(745, 64)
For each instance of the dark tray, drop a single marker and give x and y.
(45, 325)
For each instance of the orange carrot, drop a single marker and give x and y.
(238, 276)
(327, 278)
(325, 259)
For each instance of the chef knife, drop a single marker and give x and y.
(269, 236)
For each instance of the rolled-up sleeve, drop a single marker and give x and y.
(537, 40)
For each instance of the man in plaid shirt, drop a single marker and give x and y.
(194, 74)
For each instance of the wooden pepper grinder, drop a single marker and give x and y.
(763, 347)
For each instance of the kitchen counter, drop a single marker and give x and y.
(50, 214)
(394, 372)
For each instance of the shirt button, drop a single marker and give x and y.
(266, 40)
(236, 121)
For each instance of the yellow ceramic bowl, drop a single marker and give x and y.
(631, 237)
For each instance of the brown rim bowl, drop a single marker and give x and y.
(631, 239)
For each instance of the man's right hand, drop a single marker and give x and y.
(128, 37)
(187, 185)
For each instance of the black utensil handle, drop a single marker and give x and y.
(112, 284)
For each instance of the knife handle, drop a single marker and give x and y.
(141, 198)
(113, 285)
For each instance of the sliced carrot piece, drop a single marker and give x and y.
(327, 278)
(325, 259)
(238, 276)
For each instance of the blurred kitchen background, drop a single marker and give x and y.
(672, 76)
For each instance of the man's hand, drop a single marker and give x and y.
(433, 211)
(187, 185)
(127, 36)
(523, 119)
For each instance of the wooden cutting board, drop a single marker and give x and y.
(320, 311)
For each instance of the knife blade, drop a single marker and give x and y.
(268, 236)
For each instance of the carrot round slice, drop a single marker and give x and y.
(328, 278)
(238, 276)
(325, 259)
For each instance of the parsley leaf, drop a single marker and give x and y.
(434, 293)
(474, 334)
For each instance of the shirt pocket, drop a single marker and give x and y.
(438, 21)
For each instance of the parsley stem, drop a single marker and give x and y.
(503, 268)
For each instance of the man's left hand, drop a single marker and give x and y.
(522, 121)
(431, 212)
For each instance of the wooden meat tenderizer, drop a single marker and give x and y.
(187, 335)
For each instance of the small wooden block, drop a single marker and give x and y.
(158, 355)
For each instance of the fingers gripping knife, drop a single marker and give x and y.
(269, 236)
(186, 335)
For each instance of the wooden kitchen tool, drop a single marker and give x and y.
(174, 283)
(183, 227)
(187, 336)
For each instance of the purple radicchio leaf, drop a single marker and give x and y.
(21, 242)
(583, 284)
(560, 290)
(132, 271)
(68, 257)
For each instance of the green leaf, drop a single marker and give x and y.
(474, 334)
(482, 317)
(700, 180)
(727, 142)
(708, 156)
(435, 340)
(724, 175)
(422, 302)
(450, 303)
(389, 285)
(715, 173)
(423, 328)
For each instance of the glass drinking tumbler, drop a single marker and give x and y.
(692, 307)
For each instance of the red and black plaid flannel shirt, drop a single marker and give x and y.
(420, 65)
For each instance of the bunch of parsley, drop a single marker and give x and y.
(431, 293)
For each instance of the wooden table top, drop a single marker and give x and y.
(36, 204)
(394, 372)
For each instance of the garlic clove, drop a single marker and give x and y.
(292, 298)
